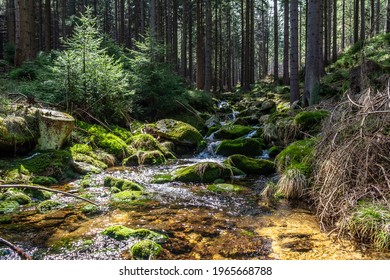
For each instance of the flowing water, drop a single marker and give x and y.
(199, 223)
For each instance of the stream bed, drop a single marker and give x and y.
(199, 223)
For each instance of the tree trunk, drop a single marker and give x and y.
(343, 28)
(121, 12)
(200, 45)
(184, 41)
(25, 33)
(190, 44)
(378, 11)
(11, 22)
(286, 44)
(312, 73)
(175, 43)
(229, 49)
(276, 42)
(356, 22)
(334, 44)
(208, 47)
(294, 70)
(363, 20)
(47, 25)
(388, 17)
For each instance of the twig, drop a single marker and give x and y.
(18, 250)
(46, 189)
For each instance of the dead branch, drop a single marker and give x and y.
(18, 250)
(46, 189)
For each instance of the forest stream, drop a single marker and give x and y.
(200, 223)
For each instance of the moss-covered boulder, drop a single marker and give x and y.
(16, 136)
(127, 198)
(17, 196)
(145, 158)
(48, 205)
(232, 132)
(84, 153)
(310, 121)
(222, 187)
(144, 142)
(251, 165)
(44, 180)
(8, 206)
(202, 172)
(245, 146)
(297, 155)
(145, 250)
(178, 132)
(122, 184)
(120, 232)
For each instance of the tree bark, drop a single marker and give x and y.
(362, 20)
(294, 65)
(334, 29)
(47, 25)
(286, 78)
(200, 45)
(208, 47)
(356, 22)
(276, 42)
(312, 71)
(184, 41)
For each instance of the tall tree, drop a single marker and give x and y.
(388, 17)
(184, 40)
(47, 25)
(276, 42)
(313, 57)
(363, 20)
(334, 29)
(356, 22)
(24, 30)
(286, 44)
(294, 70)
(200, 45)
(208, 47)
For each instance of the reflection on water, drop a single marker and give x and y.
(200, 224)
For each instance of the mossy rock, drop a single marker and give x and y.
(232, 132)
(246, 146)
(178, 132)
(38, 194)
(251, 165)
(120, 232)
(16, 135)
(17, 196)
(221, 187)
(122, 184)
(144, 142)
(206, 172)
(8, 206)
(310, 121)
(145, 250)
(44, 181)
(48, 205)
(274, 151)
(84, 153)
(128, 198)
(90, 209)
(297, 155)
(121, 132)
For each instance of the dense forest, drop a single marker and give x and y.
(201, 118)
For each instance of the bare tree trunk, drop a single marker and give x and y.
(190, 44)
(312, 74)
(378, 11)
(184, 41)
(362, 20)
(208, 47)
(356, 22)
(200, 54)
(276, 42)
(388, 17)
(294, 70)
(25, 32)
(286, 78)
(48, 36)
(229, 49)
(121, 12)
(343, 28)
(334, 44)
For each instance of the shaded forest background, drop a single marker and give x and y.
(213, 44)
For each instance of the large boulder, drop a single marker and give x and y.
(232, 132)
(245, 146)
(251, 165)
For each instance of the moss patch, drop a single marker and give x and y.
(48, 205)
(122, 184)
(251, 165)
(8, 206)
(120, 232)
(202, 172)
(145, 250)
(144, 142)
(178, 132)
(248, 147)
(232, 132)
(44, 181)
(310, 122)
(225, 188)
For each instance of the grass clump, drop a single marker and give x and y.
(292, 184)
(370, 222)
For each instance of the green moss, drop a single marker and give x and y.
(122, 233)
(124, 199)
(48, 205)
(232, 132)
(122, 184)
(162, 178)
(178, 132)
(248, 147)
(90, 209)
(298, 154)
(211, 130)
(144, 142)
(310, 121)
(121, 132)
(225, 188)
(5, 219)
(44, 181)
(251, 165)
(17, 196)
(274, 151)
(151, 158)
(202, 172)
(370, 222)
(38, 194)
(8, 206)
(145, 250)
(89, 159)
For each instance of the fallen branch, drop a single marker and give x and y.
(46, 189)
(18, 250)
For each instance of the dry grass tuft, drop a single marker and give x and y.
(292, 184)
(353, 158)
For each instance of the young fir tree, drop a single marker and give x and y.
(94, 82)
